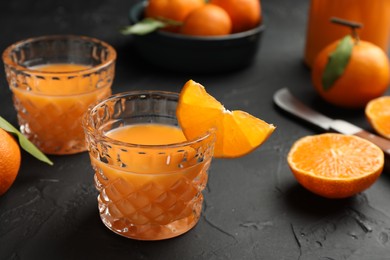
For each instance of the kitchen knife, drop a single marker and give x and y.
(285, 100)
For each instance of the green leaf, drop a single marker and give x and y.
(143, 27)
(24, 142)
(337, 62)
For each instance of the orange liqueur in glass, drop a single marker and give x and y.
(59, 100)
(153, 198)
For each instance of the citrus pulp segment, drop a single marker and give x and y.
(237, 132)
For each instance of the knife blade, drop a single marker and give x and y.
(286, 101)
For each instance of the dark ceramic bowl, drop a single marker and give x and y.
(210, 54)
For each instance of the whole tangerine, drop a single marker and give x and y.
(10, 159)
(366, 76)
(245, 14)
(176, 10)
(207, 20)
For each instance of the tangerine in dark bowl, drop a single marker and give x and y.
(195, 54)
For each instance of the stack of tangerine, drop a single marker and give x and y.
(216, 17)
(195, 36)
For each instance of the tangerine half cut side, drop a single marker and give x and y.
(335, 165)
(378, 115)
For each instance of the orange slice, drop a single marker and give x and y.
(237, 133)
(335, 165)
(378, 115)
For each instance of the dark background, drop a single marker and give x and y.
(254, 208)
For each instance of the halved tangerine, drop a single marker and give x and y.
(334, 165)
(378, 114)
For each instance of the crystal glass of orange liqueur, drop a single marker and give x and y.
(149, 177)
(53, 80)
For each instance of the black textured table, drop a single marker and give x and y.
(254, 208)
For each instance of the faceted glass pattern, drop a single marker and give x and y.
(50, 105)
(146, 192)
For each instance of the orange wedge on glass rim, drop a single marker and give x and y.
(237, 132)
(378, 114)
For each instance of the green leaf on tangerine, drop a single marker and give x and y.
(337, 62)
(143, 27)
(24, 142)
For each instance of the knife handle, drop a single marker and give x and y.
(381, 142)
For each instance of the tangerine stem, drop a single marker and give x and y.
(353, 25)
